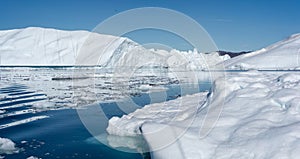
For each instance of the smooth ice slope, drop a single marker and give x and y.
(282, 55)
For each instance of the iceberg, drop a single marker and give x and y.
(259, 119)
(35, 46)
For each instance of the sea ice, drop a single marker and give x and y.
(7, 146)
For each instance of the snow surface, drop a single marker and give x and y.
(279, 56)
(50, 47)
(260, 119)
(7, 146)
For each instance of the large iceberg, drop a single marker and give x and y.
(260, 119)
(35, 46)
(48, 47)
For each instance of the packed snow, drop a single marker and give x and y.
(284, 55)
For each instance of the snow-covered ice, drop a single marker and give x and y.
(282, 55)
(260, 119)
(170, 111)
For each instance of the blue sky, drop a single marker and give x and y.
(234, 25)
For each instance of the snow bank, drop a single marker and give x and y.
(7, 146)
(280, 56)
(260, 119)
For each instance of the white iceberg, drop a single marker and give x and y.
(259, 120)
(35, 46)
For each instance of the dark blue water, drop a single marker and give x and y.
(63, 135)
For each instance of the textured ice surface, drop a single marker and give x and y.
(260, 119)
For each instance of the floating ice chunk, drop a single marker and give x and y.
(23, 142)
(7, 146)
(33, 157)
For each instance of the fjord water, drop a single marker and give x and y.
(59, 133)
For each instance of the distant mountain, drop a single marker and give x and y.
(232, 54)
(279, 56)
